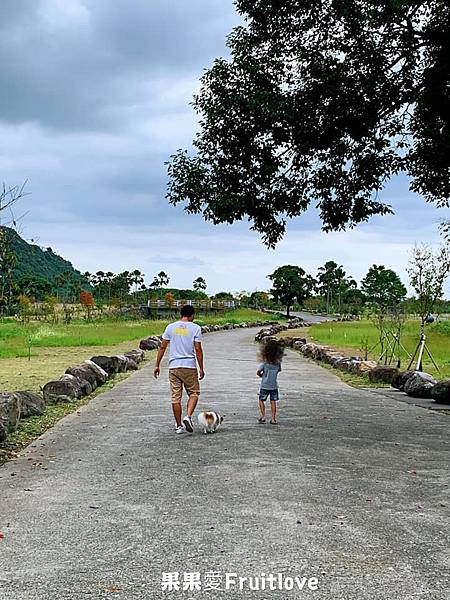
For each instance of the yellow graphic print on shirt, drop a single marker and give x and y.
(181, 331)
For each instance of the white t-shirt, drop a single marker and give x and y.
(182, 335)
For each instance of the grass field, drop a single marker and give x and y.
(55, 347)
(352, 335)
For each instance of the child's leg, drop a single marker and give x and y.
(273, 408)
(262, 409)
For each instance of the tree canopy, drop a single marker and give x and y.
(321, 102)
(383, 287)
(290, 284)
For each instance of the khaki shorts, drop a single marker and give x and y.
(182, 377)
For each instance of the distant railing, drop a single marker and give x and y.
(200, 304)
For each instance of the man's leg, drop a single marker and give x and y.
(192, 386)
(176, 388)
(192, 404)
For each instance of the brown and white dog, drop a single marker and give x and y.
(210, 421)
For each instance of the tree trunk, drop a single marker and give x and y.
(288, 311)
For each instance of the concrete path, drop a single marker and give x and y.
(351, 487)
(312, 318)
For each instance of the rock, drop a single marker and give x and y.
(263, 333)
(268, 338)
(9, 413)
(85, 387)
(308, 349)
(420, 385)
(343, 363)
(151, 343)
(31, 404)
(365, 366)
(127, 363)
(399, 380)
(123, 363)
(62, 390)
(287, 342)
(85, 372)
(100, 373)
(136, 355)
(110, 364)
(132, 365)
(382, 374)
(298, 344)
(441, 391)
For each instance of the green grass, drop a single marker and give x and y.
(14, 336)
(350, 335)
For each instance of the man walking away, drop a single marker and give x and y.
(185, 340)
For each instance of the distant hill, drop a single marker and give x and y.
(33, 261)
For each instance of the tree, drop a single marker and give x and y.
(383, 287)
(428, 271)
(290, 284)
(8, 262)
(320, 102)
(169, 299)
(9, 196)
(137, 278)
(159, 281)
(259, 299)
(34, 287)
(87, 301)
(199, 284)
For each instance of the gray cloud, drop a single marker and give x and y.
(74, 64)
(95, 98)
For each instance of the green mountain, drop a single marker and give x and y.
(33, 261)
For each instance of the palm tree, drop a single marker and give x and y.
(199, 284)
(109, 276)
(137, 278)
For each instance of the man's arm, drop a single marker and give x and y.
(199, 354)
(161, 352)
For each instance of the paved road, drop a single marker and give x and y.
(312, 318)
(351, 487)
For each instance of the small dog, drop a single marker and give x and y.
(210, 421)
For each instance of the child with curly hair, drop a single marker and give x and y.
(271, 355)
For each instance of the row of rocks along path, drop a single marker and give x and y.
(351, 487)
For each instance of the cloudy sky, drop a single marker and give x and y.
(95, 97)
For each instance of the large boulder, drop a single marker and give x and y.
(420, 385)
(399, 380)
(150, 343)
(382, 374)
(85, 372)
(136, 355)
(131, 364)
(123, 363)
(85, 386)
(9, 413)
(100, 374)
(31, 404)
(365, 367)
(262, 333)
(441, 392)
(110, 364)
(62, 390)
